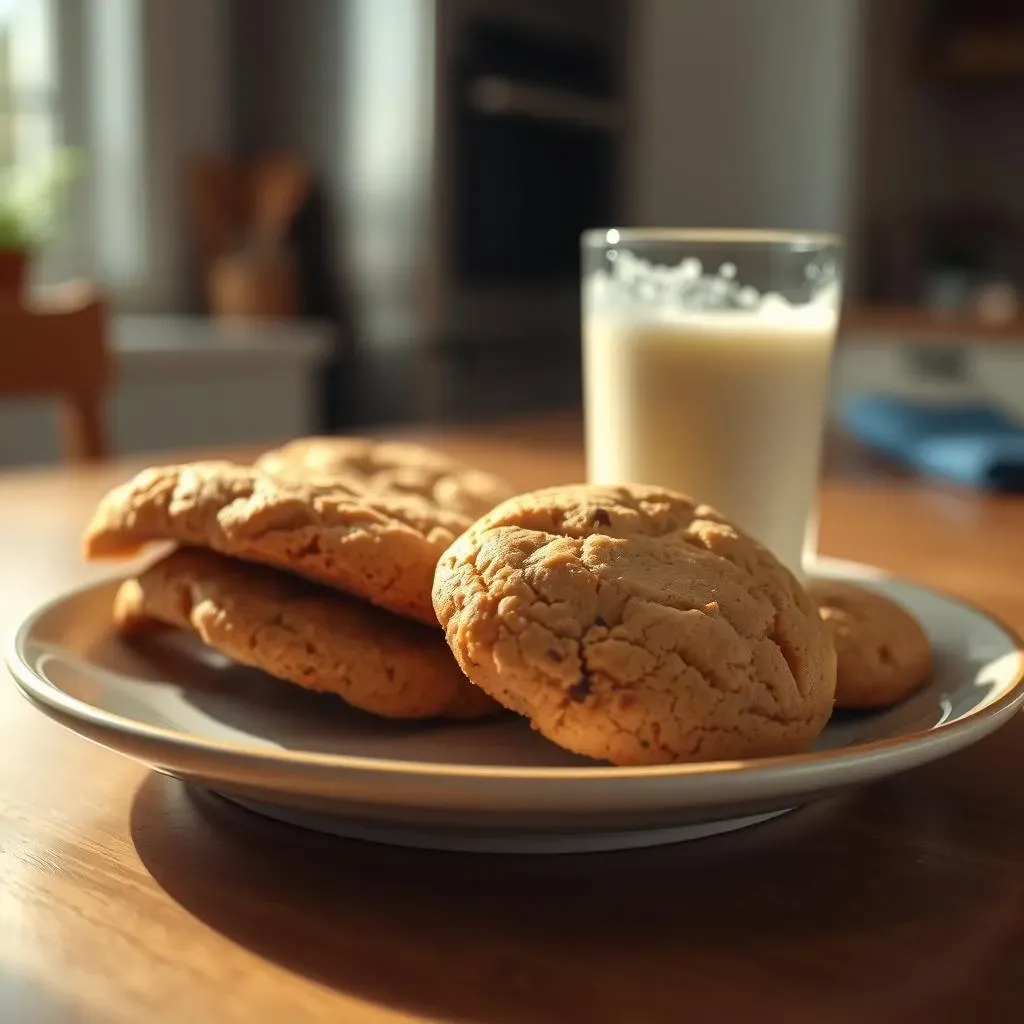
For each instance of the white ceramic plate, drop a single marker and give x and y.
(309, 759)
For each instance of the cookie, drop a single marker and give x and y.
(632, 625)
(883, 653)
(389, 467)
(379, 547)
(304, 634)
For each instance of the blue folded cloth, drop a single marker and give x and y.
(971, 443)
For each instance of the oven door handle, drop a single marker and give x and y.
(494, 96)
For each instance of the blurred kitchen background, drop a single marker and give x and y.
(315, 215)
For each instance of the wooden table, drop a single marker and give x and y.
(126, 897)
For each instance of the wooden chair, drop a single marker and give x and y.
(58, 347)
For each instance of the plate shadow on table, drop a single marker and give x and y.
(826, 914)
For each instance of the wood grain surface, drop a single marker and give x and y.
(126, 897)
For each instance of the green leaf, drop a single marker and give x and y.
(33, 198)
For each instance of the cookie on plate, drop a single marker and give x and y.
(389, 467)
(632, 625)
(381, 547)
(883, 653)
(303, 633)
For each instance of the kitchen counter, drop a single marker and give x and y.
(186, 381)
(920, 325)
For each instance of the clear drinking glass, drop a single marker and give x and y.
(706, 359)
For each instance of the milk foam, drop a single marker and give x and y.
(637, 289)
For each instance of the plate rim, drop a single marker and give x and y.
(62, 707)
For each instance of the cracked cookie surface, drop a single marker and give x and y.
(303, 633)
(381, 547)
(883, 653)
(632, 625)
(389, 467)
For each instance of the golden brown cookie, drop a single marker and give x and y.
(380, 547)
(632, 625)
(389, 467)
(303, 633)
(883, 653)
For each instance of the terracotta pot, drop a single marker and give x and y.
(13, 271)
(242, 286)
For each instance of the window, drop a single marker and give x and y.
(137, 87)
(28, 81)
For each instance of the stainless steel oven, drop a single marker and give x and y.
(534, 140)
(480, 138)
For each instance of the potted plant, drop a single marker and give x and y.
(32, 196)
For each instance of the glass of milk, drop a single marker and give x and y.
(706, 358)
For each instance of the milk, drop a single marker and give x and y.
(725, 406)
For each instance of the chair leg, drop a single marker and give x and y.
(83, 437)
